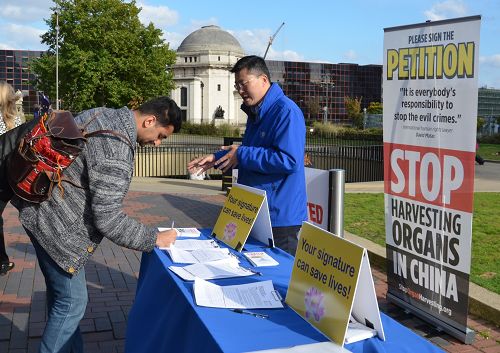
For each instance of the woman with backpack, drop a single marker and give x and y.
(8, 120)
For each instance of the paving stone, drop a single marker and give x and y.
(116, 316)
(102, 324)
(495, 349)
(440, 342)
(33, 344)
(36, 329)
(119, 330)
(5, 332)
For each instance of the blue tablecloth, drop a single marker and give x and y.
(164, 317)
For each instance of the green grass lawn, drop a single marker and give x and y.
(364, 216)
(489, 151)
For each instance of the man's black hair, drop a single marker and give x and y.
(166, 111)
(254, 64)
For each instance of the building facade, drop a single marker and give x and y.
(320, 89)
(488, 108)
(204, 83)
(488, 102)
(14, 69)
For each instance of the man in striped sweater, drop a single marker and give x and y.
(67, 228)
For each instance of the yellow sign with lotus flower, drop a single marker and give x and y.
(324, 279)
(237, 217)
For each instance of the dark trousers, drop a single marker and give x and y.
(286, 238)
(3, 254)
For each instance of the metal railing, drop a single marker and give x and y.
(171, 157)
(361, 159)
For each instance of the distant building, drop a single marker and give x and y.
(488, 108)
(319, 89)
(202, 77)
(204, 85)
(14, 70)
(488, 102)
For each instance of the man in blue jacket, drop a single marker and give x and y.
(271, 156)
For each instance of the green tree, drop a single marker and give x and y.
(480, 123)
(353, 109)
(313, 107)
(375, 108)
(106, 56)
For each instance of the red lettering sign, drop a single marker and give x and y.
(315, 212)
(441, 177)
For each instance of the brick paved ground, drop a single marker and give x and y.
(112, 276)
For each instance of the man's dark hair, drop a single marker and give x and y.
(254, 64)
(166, 111)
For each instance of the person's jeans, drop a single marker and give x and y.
(4, 258)
(286, 238)
(66, 302)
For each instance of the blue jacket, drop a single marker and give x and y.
(271, 156)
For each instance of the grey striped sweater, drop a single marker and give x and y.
(69, 227)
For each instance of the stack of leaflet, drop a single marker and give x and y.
(260, 258)
(184, 232)
(255, 295)
(207, 259)
(225, 268)
(356, 331)
(193, 251)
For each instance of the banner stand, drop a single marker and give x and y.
(430, 79)
(467, 337)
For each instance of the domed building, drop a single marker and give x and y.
(204, 83)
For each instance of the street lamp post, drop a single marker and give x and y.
(57, 58)
(326, 82)
(325, 108)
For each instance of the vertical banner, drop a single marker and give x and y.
(430, 113)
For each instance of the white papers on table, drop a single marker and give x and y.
(195, 244)
(260, 258)
(197, 256)
(225, 268)
(356, 331)
(183, 232)
(255, 295)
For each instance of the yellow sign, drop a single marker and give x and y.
(237, 217)
(324, 278)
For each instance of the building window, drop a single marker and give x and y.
(185, 59)
(218, 88)
(183, 114)
(219, 58)
(190, 59)
(195, 59)
(184, 94)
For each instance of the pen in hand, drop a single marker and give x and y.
(241, 311)
(172, 227)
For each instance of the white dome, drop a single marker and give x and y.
(211, 38)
